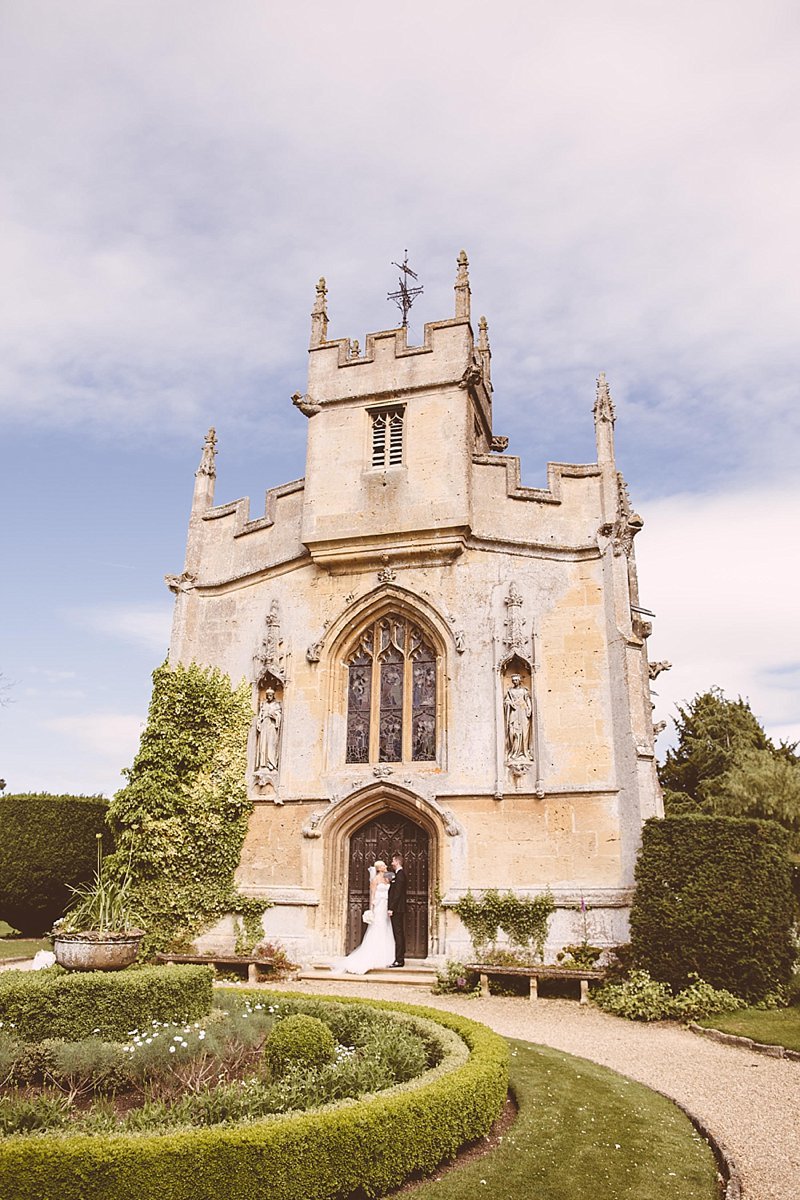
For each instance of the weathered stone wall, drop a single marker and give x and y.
(503, 579)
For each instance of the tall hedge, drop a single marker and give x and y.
(714, 895)
(47, 845)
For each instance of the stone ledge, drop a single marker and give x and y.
(745, 1043)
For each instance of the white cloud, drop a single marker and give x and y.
(149, 627)
(178, 180)
(113, 737)
(723, 576)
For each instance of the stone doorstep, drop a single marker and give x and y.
(411, 975)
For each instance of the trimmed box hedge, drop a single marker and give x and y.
(714, 896)
(48, 845)
(75, 1004)
(329, 1154)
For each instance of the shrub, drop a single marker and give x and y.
(454, 979)
(48, 846)
(63, 1004)
(275, 953)
(299, 1040)
(713, 897)
(579, 954)
(641, 998)
(700, 999)
(323, 1155)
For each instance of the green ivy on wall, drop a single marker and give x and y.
(181, 820)
(524, 919)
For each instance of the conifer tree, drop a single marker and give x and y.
(725, 764)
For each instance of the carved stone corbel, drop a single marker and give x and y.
(627, 523)
(311, 828)
(306, 405)
(654, 669)
(186, 582)
(451, 825)
(473, 375)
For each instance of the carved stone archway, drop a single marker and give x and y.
(344, 820)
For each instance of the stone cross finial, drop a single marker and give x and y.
(207, 464)
(462, 285)
(603, 405)
(319, 315)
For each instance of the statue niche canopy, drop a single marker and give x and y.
(391, 694)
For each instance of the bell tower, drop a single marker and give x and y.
(391, 435)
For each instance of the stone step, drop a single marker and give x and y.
(410, 975)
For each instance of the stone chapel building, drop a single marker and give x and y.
(442, 660)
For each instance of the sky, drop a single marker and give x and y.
(177, 174)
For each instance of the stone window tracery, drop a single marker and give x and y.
(391, 694)
(387, 437)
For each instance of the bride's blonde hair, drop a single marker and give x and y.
(380, 865)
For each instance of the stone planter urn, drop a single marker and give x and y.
(97, 950)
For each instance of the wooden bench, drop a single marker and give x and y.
(534, 974)
(253, 965)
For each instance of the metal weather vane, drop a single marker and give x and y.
(405, 296)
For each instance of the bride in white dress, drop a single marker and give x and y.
(377, 945)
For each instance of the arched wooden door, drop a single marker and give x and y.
(380, 838)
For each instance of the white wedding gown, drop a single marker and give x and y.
(377, 945)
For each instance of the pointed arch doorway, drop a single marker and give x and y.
(381, 837)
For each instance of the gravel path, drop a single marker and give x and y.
(749, 1102)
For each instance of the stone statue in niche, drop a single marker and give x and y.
(518, 711)
(268, 732)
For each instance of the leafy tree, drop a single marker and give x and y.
(725, 764)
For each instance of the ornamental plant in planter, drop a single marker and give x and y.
(100, 931)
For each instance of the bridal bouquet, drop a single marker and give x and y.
(367, 917)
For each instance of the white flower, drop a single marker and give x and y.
(172, 1049)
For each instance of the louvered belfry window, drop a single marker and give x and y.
(387, 437)
(391, 694)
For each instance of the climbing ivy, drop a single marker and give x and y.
(181, 820)
(523, 919)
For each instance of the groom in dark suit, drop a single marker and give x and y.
(397, 910)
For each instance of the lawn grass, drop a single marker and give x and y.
(776, 1027)
(584, 1132)
(14, 946)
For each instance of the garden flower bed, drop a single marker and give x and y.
(398, 1091)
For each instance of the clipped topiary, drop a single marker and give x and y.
(714, 898)
(48, 847)
(301, 1041)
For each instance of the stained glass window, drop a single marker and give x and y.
(392, 695)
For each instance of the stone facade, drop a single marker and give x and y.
(440, 657)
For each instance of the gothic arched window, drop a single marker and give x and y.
(391, 694)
